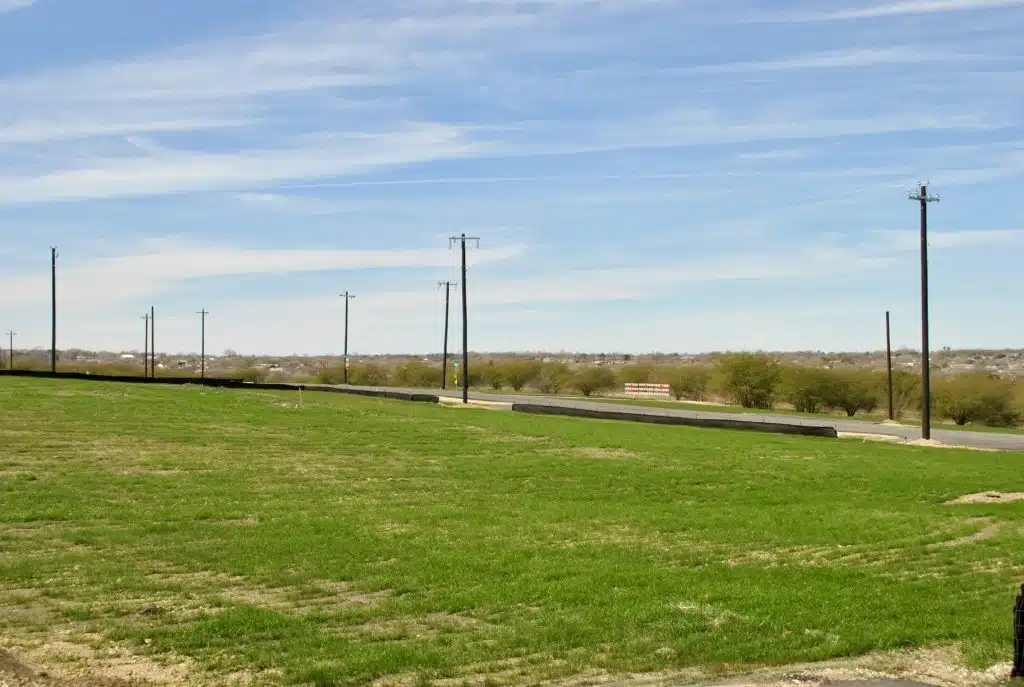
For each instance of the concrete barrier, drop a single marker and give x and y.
(220, 383)
(652, 418)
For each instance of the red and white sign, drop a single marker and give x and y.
(648, 390)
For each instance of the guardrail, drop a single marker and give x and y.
(658, 419)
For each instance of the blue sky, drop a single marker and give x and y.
(673, 175)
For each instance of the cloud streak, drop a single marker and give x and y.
(165, 265)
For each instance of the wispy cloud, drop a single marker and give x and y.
(11, 5)
(909, 7)
(165, 264)
(178, 172)
(833, 59)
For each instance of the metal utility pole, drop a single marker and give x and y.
(202, 346)
(53, 309)
(10, 349)
(921, 195)
(465, 315)
(347, 296)
(145, 355)
(447, 285)
(888, 364)
(152, 342)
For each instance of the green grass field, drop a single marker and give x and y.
(352, 539)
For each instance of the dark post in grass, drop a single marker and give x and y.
(347, 296)
(447, 301)
(53, 309)
(202, 346)
(465, 315)
(145, 354)
(1018, 636)
(888, 363)
(926, 378)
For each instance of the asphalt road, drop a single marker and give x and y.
(985, 440)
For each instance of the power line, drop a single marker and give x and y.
(465, 313)
(447, 285)
(348, 297)
(921, 196)
(202, 346)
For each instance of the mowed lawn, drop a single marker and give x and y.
(348, 539)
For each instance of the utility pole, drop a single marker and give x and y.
(152, 342)
(10, 349)
(888, 364)
(447, 285)
(53, 309)
(465, 314)
(202, 346)
(145, 355)
(921, 195)
(347, 296)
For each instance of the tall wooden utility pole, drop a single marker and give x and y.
(921, 195)
(348, 297)
(202, 346)
(447, 285)
(888, 364)
(53, 309)
(145, 355)
(465, 315)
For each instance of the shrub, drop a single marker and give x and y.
(906, 391)
(808, 389)
(330, 375)
(368, 375)
(417, 374)
(749, 379)
(690, 382)
(636, 374)
(589, 380)
(493, 375)
(255, 375)
(519, 374)
(976, 398)
(852, 391)
(552, 378)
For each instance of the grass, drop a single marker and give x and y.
(351, 539)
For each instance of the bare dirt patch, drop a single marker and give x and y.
(430, 625)
(596, 453)
(989, 530)
(319, 596)
(987, 497)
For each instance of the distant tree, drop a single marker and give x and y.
(977, 398)
(636, 374)
(494, 375)
(590, 380)
(749, 379)
(853, 391)
(520, 373)
(552, 378)
(368, 374)
(417, 374)
(906, 391)
(807, 389)
(690, 382)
